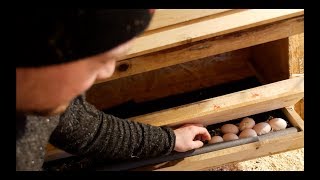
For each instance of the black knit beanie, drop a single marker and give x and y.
(52, 36)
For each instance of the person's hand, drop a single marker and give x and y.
(189, 137)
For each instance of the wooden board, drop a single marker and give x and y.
(233, 154)
(236, 20)
(294, 117)
(299, 107)
(231, 106)
(296, 63)
(177, 79)
(168, 17)
(239, 153)
(296, 54)
(208, 47)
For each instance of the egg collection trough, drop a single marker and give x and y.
(205, 149)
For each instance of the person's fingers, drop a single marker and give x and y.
(198, 137)
(197, 144)
(203, 132)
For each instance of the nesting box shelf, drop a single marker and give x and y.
(187, 50)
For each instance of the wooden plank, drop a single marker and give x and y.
(168, 17)
(299, 107)
(177, 79)
(233, 154)
(296, 63)
(209, 47)
(296, 54)
(242, 19)
(270, 61)
(293, 117)
(231, 106)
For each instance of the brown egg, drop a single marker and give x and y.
(229, 128)
(262, 128)
(277, 124)
(247, 133)
(246, 123)
(215, 139)
(230, 137)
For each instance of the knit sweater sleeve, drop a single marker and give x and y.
(84, 130)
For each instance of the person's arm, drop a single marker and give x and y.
(84, 130)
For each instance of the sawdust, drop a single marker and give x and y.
(287, 161)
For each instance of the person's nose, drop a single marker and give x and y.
(107, 70)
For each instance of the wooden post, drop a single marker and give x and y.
(296, 63)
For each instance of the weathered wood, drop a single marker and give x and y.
(296, 54)
(230, 22)
(296, 63)
(233, 154)
(168, 17)
(299, 107)
(177, 79)
(270, 61)
(293, 117)
(231, 106)
(208, 47)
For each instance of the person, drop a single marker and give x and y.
(60, 53)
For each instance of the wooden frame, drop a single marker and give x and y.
(202, 36)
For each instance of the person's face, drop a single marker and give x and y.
(49, 90)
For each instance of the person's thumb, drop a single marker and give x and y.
(197, 144)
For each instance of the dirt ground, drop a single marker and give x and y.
(287, 161)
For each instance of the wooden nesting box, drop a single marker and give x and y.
(186, 50)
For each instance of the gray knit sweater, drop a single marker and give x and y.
(84, 130)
